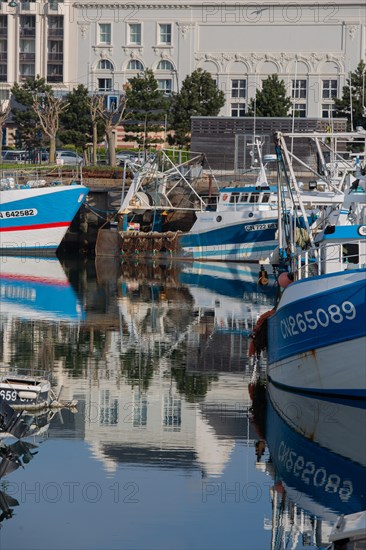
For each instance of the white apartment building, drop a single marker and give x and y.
(102, 44)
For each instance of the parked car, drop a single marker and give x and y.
(64, 156)
(13, 156)
(122, 156)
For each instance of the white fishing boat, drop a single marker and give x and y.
(317, 335)
(244, 224)
(237, 223)
(34, 215)
(25, 391)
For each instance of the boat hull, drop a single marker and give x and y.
(23, 398)
(37, 219)
(317, 337)
(241, 240)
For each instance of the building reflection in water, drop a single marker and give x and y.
(156, 355)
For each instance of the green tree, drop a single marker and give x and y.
(352, 103)
(29, 130)
(147, 108)
(4, 115)
(199, 96)
(271, 100)
(76, 121)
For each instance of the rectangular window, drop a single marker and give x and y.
(330, 89)
(165, 85)
(105, 33)
(104, 84)
(299, 89)
(328, 110)
(300, 110)
(239, 89)
(165, 33)
(238, 109)
(172, 413)
(55, 26)
(3, 78)
(134, 34)
(27, 46)
(27, 70)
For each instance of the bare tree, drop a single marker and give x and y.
(111, 118)
(48, 108)
(4, 114)
(94, 101)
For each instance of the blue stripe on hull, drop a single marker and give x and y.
(315, 322)
(237, 234)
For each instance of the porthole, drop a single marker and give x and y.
(219, 218)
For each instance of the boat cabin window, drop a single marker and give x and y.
(244, 197)
(254, 197)
(266, 197)
(234, 197)
(350, 253)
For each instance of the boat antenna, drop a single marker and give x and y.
(350, 100)
(294, 92)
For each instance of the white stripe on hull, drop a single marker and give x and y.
(327, 368)
(230, 252)
(49, 237)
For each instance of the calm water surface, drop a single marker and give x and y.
(172, 445)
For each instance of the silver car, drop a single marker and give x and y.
(64, 156)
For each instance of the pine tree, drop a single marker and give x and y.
(199, 96)
(271, 100)
(147, 108)
(354, 110)
(29, 130)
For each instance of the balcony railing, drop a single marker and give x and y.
(26, 56)
(55, 78)
(56, 33)
(55, 57)
(27, 32)
(23, 77)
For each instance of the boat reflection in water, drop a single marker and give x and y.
(37, 288)
(318, 460)
(237, 294)
(12, 457)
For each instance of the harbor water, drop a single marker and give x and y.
(176, 442)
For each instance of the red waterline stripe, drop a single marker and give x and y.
(36, 226)
(33, 279)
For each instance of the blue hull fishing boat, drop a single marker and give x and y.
(317, 334)
(239, 223)
(35, 216)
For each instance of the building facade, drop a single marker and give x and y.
(311, 46)
(103, 44)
